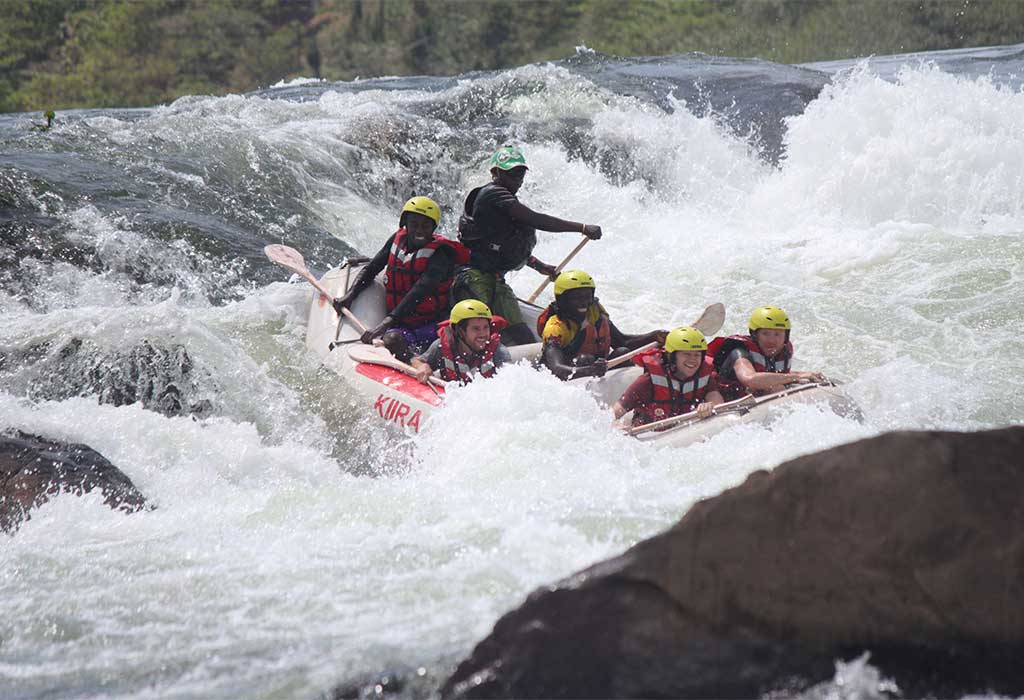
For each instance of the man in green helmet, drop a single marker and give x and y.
(500, 232)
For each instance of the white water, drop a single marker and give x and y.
(891, 234)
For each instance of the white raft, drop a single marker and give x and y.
(397, 398)
(760, 409)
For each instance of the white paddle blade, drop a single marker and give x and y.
(285, 256)
(712, 320)
(709, 323)
(291, 259)
(379, 355)
(375, 355)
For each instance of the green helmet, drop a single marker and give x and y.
(50, 114)
(467, 309)
(507, 158)
(768, 317)
(685, 338)
(573, 279)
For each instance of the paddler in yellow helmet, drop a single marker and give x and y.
(468, 345)
(577, 333)
(678, 379)
(418, 272)
(761, 362)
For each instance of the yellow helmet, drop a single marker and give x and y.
(467, 309)
(573, 279)
(769, 317)
(685, 338)
(422, 205)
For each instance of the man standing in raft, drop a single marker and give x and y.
(419, 273)
(577, 334)
(468, 345)
(761, 362)
(678, 379)
(501, 233)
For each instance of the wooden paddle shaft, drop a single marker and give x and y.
(621, 359)
(737, 405)
(570, 256)
(291, 259)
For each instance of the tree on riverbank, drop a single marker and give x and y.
(120, 53)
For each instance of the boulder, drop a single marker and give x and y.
(160, 375)
(909, 546)
(32, 469)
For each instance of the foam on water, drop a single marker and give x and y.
(274, 565)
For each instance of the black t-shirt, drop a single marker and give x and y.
(503, 243)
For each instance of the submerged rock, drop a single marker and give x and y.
(160, 375)
(909, 546)
(400, 683)
(32, 469)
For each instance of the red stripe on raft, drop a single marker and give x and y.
(400, 383)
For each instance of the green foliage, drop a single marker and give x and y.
(29, 32)
(87, 53)
(125, 53)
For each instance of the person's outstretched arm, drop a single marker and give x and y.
(546, 222)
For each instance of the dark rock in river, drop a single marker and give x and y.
(32, 469)
(160, 375)
(398, 683)
(909, 546)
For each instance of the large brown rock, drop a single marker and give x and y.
(908, 545)
(32, 469)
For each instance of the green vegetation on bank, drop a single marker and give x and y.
(123, 53)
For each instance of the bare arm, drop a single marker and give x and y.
(366, 275)
(770, 381)
(632, 342)
(546, 222)
(562, 367)
(707, 406)
(637, 393)
(423, 370)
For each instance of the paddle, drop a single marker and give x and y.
(378, 355)
(739, 405)
(558, 268)
(709, 323)
(291, 259)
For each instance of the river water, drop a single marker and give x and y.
(294, 544)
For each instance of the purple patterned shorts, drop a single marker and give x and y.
(419, 338)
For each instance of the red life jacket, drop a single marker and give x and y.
(590, 339)
(461, 367)
(732, 388)
(670, 396)
(405, 267)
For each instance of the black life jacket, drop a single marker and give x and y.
(503, 242)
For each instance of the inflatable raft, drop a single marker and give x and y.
(395, 397)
